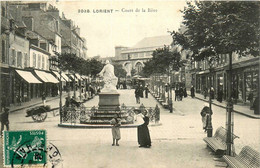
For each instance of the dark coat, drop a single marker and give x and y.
(4, 117)
(256, 105)
(181, 92)
(143, 133)
(192, 92)
(184, 92)
(220, 95)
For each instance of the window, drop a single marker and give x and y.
(43, 46)
(39, 61)
(47, 64)
(19, 59)
(26, 60)
(34, 60)
(3, 51)
(13, 59)
(43, 62)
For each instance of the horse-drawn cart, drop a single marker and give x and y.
(39, 113)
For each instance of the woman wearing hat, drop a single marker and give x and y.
(143, 134)
(205, 112)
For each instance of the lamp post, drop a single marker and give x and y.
(60, 105)
(209, 122)
(169, 90)
(56, 62)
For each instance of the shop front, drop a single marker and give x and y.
(50, 83)
(24, 82)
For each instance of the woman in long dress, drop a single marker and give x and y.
(116, 123)
(143, 134)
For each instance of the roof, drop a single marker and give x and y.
(154, 41)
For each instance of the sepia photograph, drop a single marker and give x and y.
(129, 84)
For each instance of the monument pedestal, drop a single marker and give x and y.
(108, 101)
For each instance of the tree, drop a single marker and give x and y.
(120, 72)
(162, 61)
(221, 27)
(95, 66)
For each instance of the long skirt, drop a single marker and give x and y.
(143, 135)
(116, 133)
(204, 121)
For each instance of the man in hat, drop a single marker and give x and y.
(4, 120)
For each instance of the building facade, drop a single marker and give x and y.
(134, 57)
(30, 37)
(245, 76)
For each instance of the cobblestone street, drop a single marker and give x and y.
(177, 142)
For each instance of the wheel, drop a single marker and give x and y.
(41, 116)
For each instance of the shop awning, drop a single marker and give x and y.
(78, 76)
(57, 74)
(46, 77)
(28, 76)
(73, 77)
(65, 77)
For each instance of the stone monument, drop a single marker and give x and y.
(109, 97)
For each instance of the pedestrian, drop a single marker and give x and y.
(220, 95)
(212, 93)
(184, 92)
(146, 91)
(19, 100)
(43, 98)
(181, 93)
(192, 91)
(176, 93)
(116, 123)
(124, 85)
(5, 120)
(205, 92)
(250, 98)
(235, 96)
(205, 112)
(143, 134)
(256, 105)
(141, 91)
(137, 94)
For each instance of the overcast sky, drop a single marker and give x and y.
(104, 31)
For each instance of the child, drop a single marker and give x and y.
(116, 122)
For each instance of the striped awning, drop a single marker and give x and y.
(28, 76)
(46, 77)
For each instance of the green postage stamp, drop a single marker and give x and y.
(25, 148)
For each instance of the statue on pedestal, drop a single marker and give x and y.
(109, 78)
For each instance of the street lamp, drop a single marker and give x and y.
(209, 128)
(55, 61)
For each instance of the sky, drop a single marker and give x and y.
(124, 24)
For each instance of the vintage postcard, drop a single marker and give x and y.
(132, 84)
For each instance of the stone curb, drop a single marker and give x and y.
(31, 105)
(88, 126)
(248, 115)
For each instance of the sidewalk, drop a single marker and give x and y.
(34, 102)
(238, 108)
